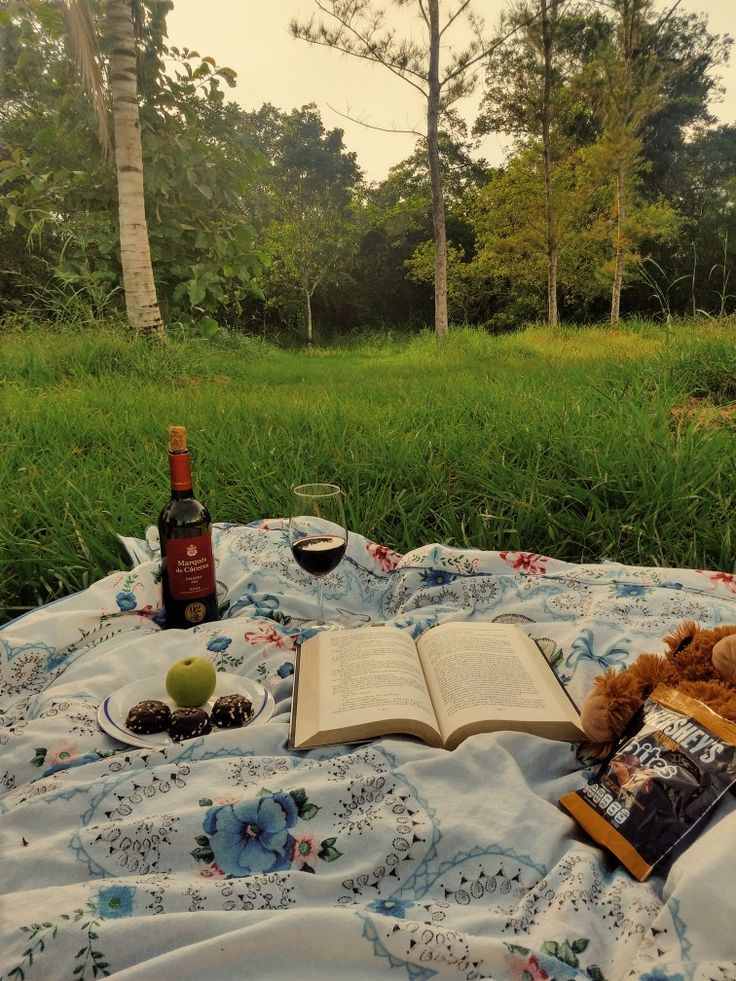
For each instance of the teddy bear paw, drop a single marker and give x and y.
(595, 718)
(724, 658)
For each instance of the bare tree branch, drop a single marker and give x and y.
(378, 50)
(425, 15)
(463, 66)
(381, 129)
(399, 71)
(670, 12)
(455, 16)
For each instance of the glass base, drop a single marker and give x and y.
(321, 625)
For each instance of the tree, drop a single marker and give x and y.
(400, 209)
(141, 301)
(462, 171)
(201, 165)
(358, 28)
(633, 79)
(310, 251)
(693, 54)
(534, 91)
(510, 217)
(549, 10)
(523, 84)
(306, 206)
(696, 272)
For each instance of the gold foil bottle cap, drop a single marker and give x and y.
(177, 439)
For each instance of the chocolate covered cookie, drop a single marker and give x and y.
(149, 716)
(186, 723)
(230, 711)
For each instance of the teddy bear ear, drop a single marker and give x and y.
(681, 638)
(682, 644)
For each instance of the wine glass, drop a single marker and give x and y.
(318, 536)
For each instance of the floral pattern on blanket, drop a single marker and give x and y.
(259, 835)
(400, 860)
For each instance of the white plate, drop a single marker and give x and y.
(113, 710)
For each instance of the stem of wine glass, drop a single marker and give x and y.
(321, 614)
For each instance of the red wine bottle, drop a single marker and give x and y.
(185, 533)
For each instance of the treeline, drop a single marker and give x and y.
(619, 196)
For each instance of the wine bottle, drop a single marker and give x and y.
(185, 533)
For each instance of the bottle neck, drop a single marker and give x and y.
(181, 475)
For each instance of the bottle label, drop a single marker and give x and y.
(195, 612)
(191, 567)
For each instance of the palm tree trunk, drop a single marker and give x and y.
(435, 174)
(140, 289)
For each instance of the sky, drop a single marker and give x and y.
(252, 37)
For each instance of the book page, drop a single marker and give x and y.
(487, 671)
(359, 683)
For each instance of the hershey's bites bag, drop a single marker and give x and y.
(660, 782)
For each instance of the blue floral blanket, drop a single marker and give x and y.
(230, 857)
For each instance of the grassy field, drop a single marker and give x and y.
(577, 443)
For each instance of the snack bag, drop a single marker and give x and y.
(660, 782)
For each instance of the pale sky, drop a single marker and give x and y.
(252, 37)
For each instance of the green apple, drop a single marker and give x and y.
(191, 681)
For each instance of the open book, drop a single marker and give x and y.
(458, 679)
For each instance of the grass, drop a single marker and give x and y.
(562, 442)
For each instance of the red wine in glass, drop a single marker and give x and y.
(319, 554)
(318, 536)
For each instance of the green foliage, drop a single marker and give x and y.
(513, 97)
(510, 230)
(699, 263)
(684, 42)
(259, 220)
(466, 289)
(563, 442)
(622, 100)
(200, 164)
(57, 192)
(311, 225)
(398, 216)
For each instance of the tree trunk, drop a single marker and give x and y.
(435, 174)
(551, 231)
(552, 314)
(140, 290)
(310, 336)
(629, 14)
(618, 265)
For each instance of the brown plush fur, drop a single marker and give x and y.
(698, 662)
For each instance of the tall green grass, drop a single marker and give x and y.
(562, 442)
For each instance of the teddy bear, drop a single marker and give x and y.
(699, 662)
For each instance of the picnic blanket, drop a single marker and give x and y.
(385, 859)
